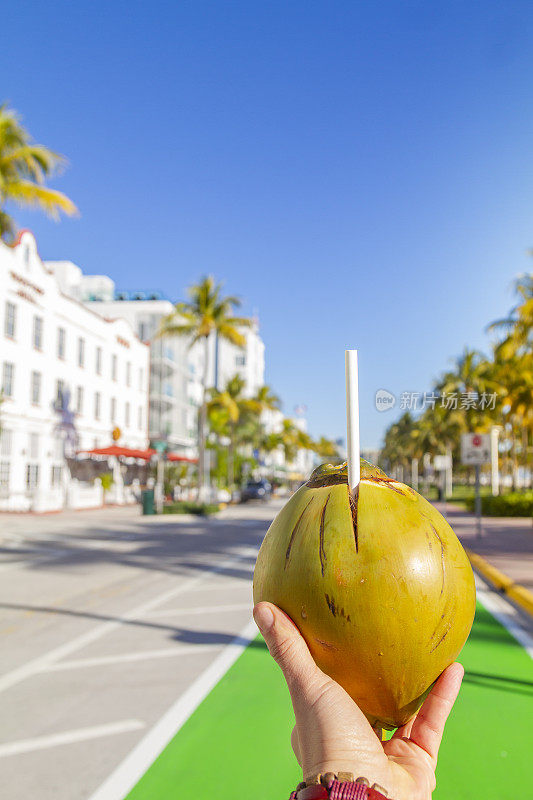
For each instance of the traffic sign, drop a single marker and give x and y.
(475, 448)
(442, 462)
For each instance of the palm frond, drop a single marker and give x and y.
(52, 202)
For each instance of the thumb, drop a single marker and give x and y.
(287, 646)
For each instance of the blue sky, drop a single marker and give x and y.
(361, 174)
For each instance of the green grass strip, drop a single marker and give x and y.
(236, 744)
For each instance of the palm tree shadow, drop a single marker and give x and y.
(501, 683)
(190, 636)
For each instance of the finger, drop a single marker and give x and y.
(287, 646)
(428, 725)
(295, 742)
(405, 731)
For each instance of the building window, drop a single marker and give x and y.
(38, 333)
(6, 441)
(113, 368)
(240, 361)
(55, 475)
(4, 476)
(34, 445)
(113, 412)
(140, 418)
(8, 379)
(127, 415)
(60, 394)
(79, 400)
(140, 379)
(59, 447)
(10, 320)
(61, 342)
(128, 374)
(36, 388)
(98, 360)
(32, 476)
(81, 352)
(97, 405)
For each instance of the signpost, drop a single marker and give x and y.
(442, 464)
(160, 446)
(475, 451)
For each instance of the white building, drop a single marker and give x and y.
(69, 378)
(227, 360)
(174, 384)
(275, 463)
(176, 370)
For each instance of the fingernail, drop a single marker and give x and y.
(264, 618)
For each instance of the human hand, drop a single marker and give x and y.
(332, 734)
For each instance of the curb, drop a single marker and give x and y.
(514, 591)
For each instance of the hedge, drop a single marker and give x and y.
(514, 504)
(202, 509)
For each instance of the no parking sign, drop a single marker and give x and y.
(475, 448)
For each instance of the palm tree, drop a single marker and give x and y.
(518, 325)
(207, 311)
(24, 168)
(326, 448)
(292, 438)
(233, 407)
(267, 399)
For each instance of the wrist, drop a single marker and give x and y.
(338, 786)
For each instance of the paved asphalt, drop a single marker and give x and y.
(106, 618)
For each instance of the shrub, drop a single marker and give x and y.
(202, 509)
(514, 504)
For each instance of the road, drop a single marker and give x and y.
(106, 618)
(507, 542)
(110, 620)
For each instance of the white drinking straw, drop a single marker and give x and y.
(352, 417)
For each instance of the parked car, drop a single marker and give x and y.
(256, 490)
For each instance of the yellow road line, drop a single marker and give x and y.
(514, 591)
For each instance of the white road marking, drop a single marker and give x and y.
(504, 612)
(122, 658)
(128, 773)
(47, 659)
(238, 584)
(69, 737)
(172, 612)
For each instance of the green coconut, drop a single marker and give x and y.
(379, 586)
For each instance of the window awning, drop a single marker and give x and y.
(128, 452)
(178, 457)
(118, 450)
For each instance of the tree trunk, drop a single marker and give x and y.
(525, 456)
(202, 416)
(514, 460)
(231, 458)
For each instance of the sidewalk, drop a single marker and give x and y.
(506, 544)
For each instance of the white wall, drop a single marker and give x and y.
(33, 433)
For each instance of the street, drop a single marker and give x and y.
(106, 618)
(115, 626)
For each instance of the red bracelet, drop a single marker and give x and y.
(338, 790)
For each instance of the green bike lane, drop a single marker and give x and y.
(236, 743)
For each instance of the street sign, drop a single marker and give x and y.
(442, 462)
(475, 448)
